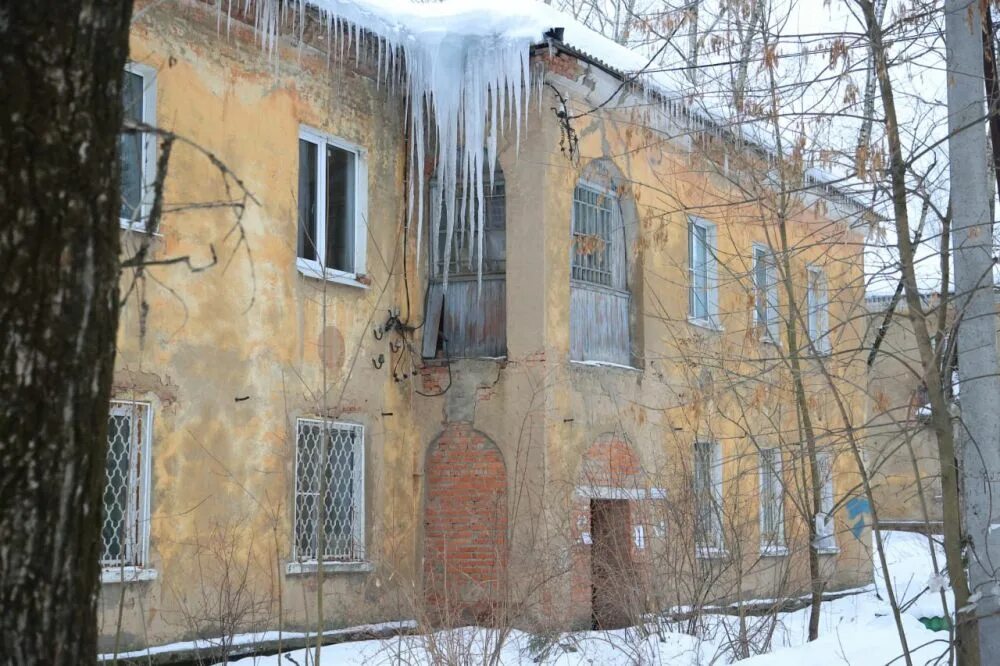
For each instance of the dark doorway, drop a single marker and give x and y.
(611, 571)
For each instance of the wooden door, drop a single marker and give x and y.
(612, 576)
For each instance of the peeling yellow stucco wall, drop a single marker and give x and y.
(228, 357)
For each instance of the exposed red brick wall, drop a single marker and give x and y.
(465, 525)
(610, 461)
(433, 377)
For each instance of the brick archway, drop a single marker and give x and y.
(465, 526)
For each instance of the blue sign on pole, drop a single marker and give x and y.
(857, 509)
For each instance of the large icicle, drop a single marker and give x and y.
(465, 70)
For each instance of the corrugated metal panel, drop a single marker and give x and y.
(599, 324)
(474, 323)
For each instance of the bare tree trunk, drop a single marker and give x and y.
(743, 66)
(61, 69)
(871, 90)
(795, 362)
(693, 35)
(972, 239)
(966, 639)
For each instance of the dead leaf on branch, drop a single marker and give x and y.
(589, 244)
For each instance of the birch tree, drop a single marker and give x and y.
(61, 71)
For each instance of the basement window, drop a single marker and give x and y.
(333, 208)
(137, 150)
(329, 496)
(125, 523)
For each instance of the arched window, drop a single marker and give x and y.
(600, 308)
(466, 319)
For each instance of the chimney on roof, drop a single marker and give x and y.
(555, 34)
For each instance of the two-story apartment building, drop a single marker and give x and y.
(594, 421)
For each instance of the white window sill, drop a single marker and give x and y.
(703, 553)
(301, 568)
(127, 574)
(604, 364)
(312, 269)
(705, 323)
(828, 550)
(773, 551)
(136, 227)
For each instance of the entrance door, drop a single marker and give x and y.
(611, 571)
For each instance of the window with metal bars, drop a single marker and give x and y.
(126, 489)
(708, 496)
(598, 243)
(329, 492)
(600, 302)
(772, 502)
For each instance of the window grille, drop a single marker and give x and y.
(341, 479)
(708, 495)
(125, 514)
(600, 304)
(598, 244)
(772, 505)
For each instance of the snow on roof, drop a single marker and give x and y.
(431, 23)
(467, 78)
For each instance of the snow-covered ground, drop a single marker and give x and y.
(856, 630)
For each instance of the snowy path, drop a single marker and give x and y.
(857, 631)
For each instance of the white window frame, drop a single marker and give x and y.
(316, 268)
(777, 546)
(360, 563)
(818, 309)
(148, 160)
(135, 566)
(718, 547)
(709, 319)
(826, 536)
(770, 328)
